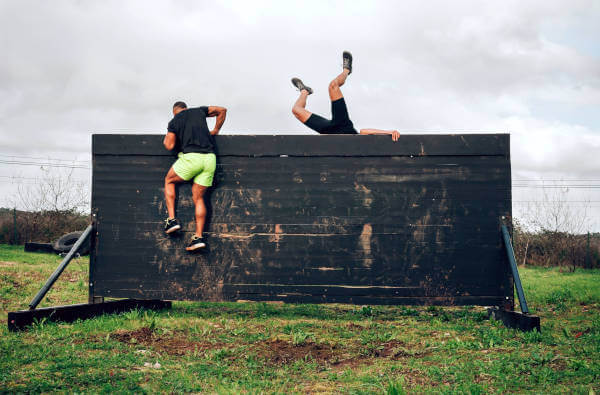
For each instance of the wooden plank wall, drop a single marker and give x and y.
(349, 219)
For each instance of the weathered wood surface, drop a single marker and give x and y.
(351, 219)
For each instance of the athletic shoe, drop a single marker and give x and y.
(196, 243)
(297, 82)
(171, 225)
(347, 61)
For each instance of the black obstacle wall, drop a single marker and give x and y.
(350, 219)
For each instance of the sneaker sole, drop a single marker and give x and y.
(173, 229)
(196, 247)
(349, 56)
(308, 89)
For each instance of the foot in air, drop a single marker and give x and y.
(297, 82)
(171, 225)
(347, 61)
(197, 243)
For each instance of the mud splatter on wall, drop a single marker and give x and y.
(355, 219)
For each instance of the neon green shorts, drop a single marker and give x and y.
(200, 167)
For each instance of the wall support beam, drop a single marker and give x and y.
(515, 270)
(20, 320)
(42, 292)
(515, 320)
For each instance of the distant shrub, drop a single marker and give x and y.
(553, 248)
(41, 226)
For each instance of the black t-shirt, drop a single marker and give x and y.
(192, 131)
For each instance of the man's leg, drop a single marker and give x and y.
(299, 109)
(198, 196)
(335, 92)
(170, 180)
(313, 121)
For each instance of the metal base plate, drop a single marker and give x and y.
(516, 320)
(20, 320)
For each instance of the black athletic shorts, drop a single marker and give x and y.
(339, 124)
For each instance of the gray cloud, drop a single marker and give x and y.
(530, 68)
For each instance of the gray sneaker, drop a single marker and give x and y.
(297, 82)
(347, 61)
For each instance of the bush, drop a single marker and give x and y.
(40, 226)
(553, 248)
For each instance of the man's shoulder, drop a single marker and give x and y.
(188, 115)
(199, 110)
(181, 115)
(175, 122)
(196, 113)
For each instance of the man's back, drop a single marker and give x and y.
(192, 131)
(197, 162)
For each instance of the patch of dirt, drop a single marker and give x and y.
(396, 349)
(496, 350)
(274, 352)
(25, 277)
(73, 277)
(280, 352)
(352, 326)
(482, 378)
(12, 282)
(391, 349)
(6, 264)
(413, 378)
(558, 364)
(175, 343)
(587, 307)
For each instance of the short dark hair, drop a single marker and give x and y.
(180, 104)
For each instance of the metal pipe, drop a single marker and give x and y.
(515, 271)
(42, 292)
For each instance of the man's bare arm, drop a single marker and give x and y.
(170, 140)
(394, 133)
(220, 113)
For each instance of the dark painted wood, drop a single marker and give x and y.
(22, 319)
(195, 294)
(332, 145)
(340, 219)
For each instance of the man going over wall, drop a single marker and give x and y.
(196, 161)
(340, 122)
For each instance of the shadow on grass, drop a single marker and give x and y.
(324, 312)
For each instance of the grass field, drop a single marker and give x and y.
(280, 348)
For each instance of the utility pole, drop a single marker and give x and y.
(15, 226)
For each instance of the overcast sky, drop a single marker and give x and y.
(531, 68)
